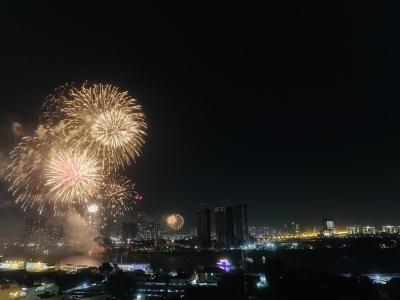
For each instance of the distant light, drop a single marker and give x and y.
(139, 297)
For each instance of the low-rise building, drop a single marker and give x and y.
(210, 275)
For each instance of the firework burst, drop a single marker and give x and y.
(72, 176)
(117, 197)
(24, 172)
(108, 122)
(42, 175)
(175, 221)
(85, 135)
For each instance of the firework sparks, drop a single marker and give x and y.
(93, 208)
(108, 122)
(117, 197)
(25, 172)
(40, 175)
(85, 134)
(72, 176)
(138, 196)
(175, 221)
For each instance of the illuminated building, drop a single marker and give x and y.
(144, 230)
(148, 231)
(210, 276)
(390, 229)
(193, 231)
(72, 269)
(36, 230)
(354, 230)
(224, 226)
(252, 231)
(38, 267)
(295, 228)
(56, 233)
(40, 231)
(204, 226)
(224, 264)
(12, 265)
(362, 230)
(262, 232)
(328, 227)
(145, 267)
(368, 230)
(40, 289)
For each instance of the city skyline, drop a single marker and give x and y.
(297, 129)
(193, 150)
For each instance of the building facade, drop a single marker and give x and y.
(224, 226)
(203, 216)
(328, 227)
(40, 231)
(240, 226)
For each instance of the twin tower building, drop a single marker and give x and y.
(231, 229)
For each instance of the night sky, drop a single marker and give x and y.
(291, 108)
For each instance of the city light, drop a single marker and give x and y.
(224, 264)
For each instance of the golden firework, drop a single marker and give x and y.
(117, 197)
(175, 221)
(25, 171)
(85, 134)
(46, 173)
(72, 176)
(93, 208)
(108, 122)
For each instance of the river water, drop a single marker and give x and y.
(329, 260)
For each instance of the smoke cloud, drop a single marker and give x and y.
(17, 129)
(3, 165)
(80, 234)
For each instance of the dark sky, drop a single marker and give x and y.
(292, 108)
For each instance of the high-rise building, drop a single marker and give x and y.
(328, 227)
(56, 233)
(144, 230)
(390, 229)
(39, 230)
(148, 231)
(224, 226)
(295, 228)
(129, 231)
(204, 226)
(253, 231)
(231, 226)
(354, 230)
(36, 230)
(261, 232)
(240, 226)
(193, 232)
(368, 230)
